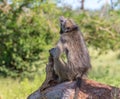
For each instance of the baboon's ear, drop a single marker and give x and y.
(73, 23)
(74, 27)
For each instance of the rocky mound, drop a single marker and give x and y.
(89, 90)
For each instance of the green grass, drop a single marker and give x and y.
(106, 69)
(15, 89)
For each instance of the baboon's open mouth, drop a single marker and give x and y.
(62, 19)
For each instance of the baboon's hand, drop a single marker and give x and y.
(52, 52)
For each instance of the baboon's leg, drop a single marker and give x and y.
(60, 69)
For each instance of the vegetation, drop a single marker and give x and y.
(105, 70)
(29, 29)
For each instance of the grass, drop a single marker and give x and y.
(106, 69)
(15, 89)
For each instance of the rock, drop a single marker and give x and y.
(89, 90)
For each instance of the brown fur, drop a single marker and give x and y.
(78, 62)
(72, 43)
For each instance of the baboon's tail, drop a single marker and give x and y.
(78, 86)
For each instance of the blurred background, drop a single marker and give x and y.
(29, 28)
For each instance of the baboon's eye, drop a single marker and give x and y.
(61, 20)
(68, 28)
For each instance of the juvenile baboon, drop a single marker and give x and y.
(72, 43)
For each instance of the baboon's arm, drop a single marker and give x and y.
(61, 62)
(58, 50)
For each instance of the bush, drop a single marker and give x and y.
(24, 37)
(28, 31)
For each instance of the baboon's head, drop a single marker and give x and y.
(67, 25)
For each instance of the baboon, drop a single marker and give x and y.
(72, 43)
